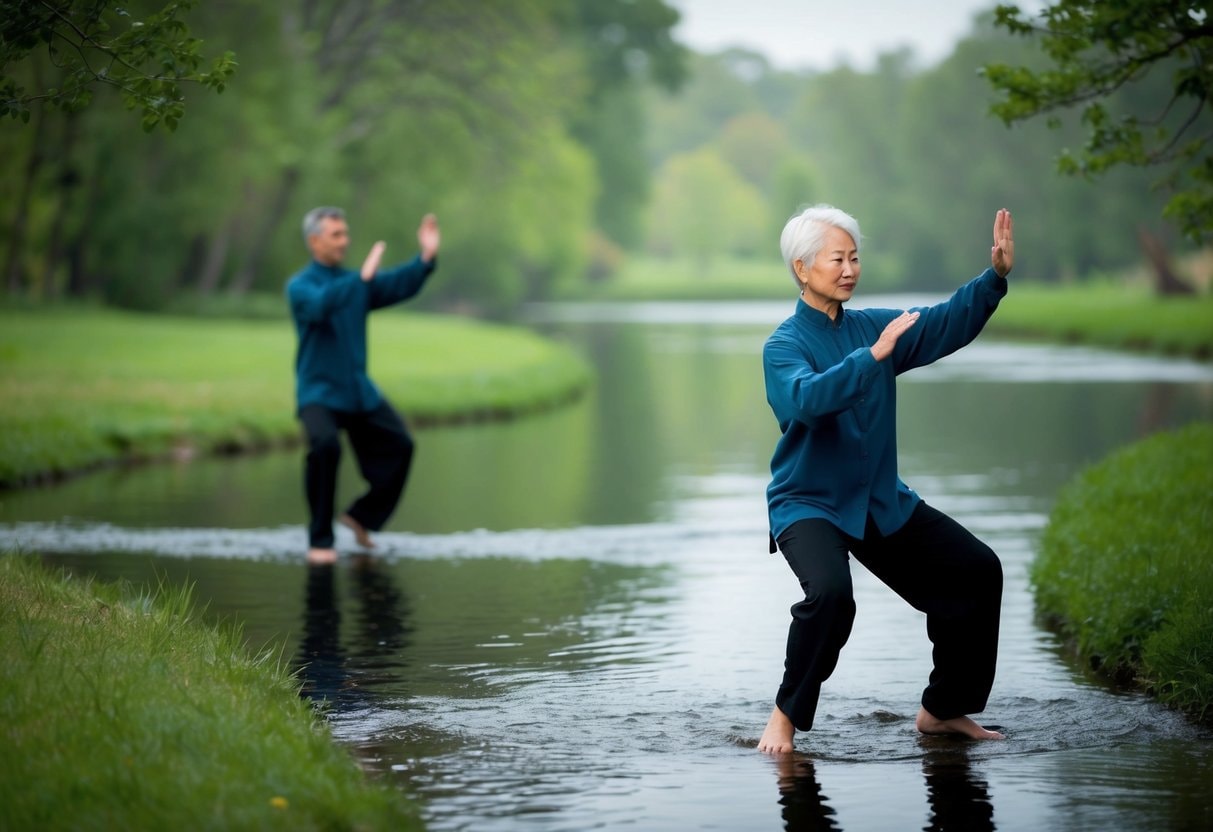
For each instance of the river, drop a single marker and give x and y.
(573, 621)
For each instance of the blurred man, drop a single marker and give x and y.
(329, 305)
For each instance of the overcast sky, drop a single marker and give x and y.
(815, 34)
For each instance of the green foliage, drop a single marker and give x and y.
(96, 42)
(913, 153)
(121, 710)
(1101, 53)
(703, 209)
(90, 387)
(516, 123)
(1125, 567)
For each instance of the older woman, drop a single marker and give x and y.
(830, 380)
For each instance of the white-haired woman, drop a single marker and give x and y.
(830, 380)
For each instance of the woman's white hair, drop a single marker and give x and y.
(805, 234)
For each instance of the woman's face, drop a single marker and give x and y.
(832, 276)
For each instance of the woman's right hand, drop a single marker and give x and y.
(897, 327)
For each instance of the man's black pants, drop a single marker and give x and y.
(932, 562)
(384, 451)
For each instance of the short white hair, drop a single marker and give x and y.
(805, 234)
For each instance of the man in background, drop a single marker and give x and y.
(329, 305)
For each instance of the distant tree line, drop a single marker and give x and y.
(553, 137)
(518, 123)
(918, 157)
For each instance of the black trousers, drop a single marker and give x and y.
(932, 562)
(384, 450)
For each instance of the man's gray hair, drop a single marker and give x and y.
(805, 234)
(313, 218)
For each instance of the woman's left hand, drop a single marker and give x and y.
(1002, 254)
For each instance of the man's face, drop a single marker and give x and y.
(328, 244)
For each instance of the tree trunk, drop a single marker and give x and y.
(250, 267)
(79, 281)
(14, 265)
(66, 183)
(216, 259)
(1166, 282)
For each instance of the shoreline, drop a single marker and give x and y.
(90, 389)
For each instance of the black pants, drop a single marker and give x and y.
(384, 450)
(932, 562)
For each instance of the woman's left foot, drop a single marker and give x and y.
(963, 725)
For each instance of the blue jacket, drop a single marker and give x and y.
(329, 305)
(836, 406)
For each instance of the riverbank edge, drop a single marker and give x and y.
(57, 448)
(122, 709)
(1125, 574)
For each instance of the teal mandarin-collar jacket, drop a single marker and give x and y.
(329, 305)
(836, 406)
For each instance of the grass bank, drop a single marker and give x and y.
(1126, 567)
(84, 387)
(119, 710)
(1110, 315)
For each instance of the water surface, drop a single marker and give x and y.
(574, 623)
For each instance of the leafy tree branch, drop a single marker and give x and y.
(1100, 54)
(93, 43)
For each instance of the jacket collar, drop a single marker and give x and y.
(816, 318)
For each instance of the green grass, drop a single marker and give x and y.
(1108, 314)
(1126, 566)
(82, 387)
(644, 278)
(119, 710)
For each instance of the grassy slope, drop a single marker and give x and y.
(119, 711)
(1126, 566)
(83, 387)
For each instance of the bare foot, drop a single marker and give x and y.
(928, 724)
(361, 535)
(777, 738)
(320, 556)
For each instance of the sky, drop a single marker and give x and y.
(818, 34)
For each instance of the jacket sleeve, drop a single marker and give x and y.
(315, 302)
(796, 391)
(946, 327)
(400, 282)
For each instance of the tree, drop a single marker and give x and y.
(703, 209)
(1101, 53)
(92, 43)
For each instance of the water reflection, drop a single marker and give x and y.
(342, 679)
(959, 799)
(804, 807)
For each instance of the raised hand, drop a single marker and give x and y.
(371, 264)
(428, 237)
(1002, 254)
(897, 327)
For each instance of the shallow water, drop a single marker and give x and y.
(574, 623)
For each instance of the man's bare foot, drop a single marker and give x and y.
(777, 738)
(361, 535)
(321, 556)
(929, 724)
